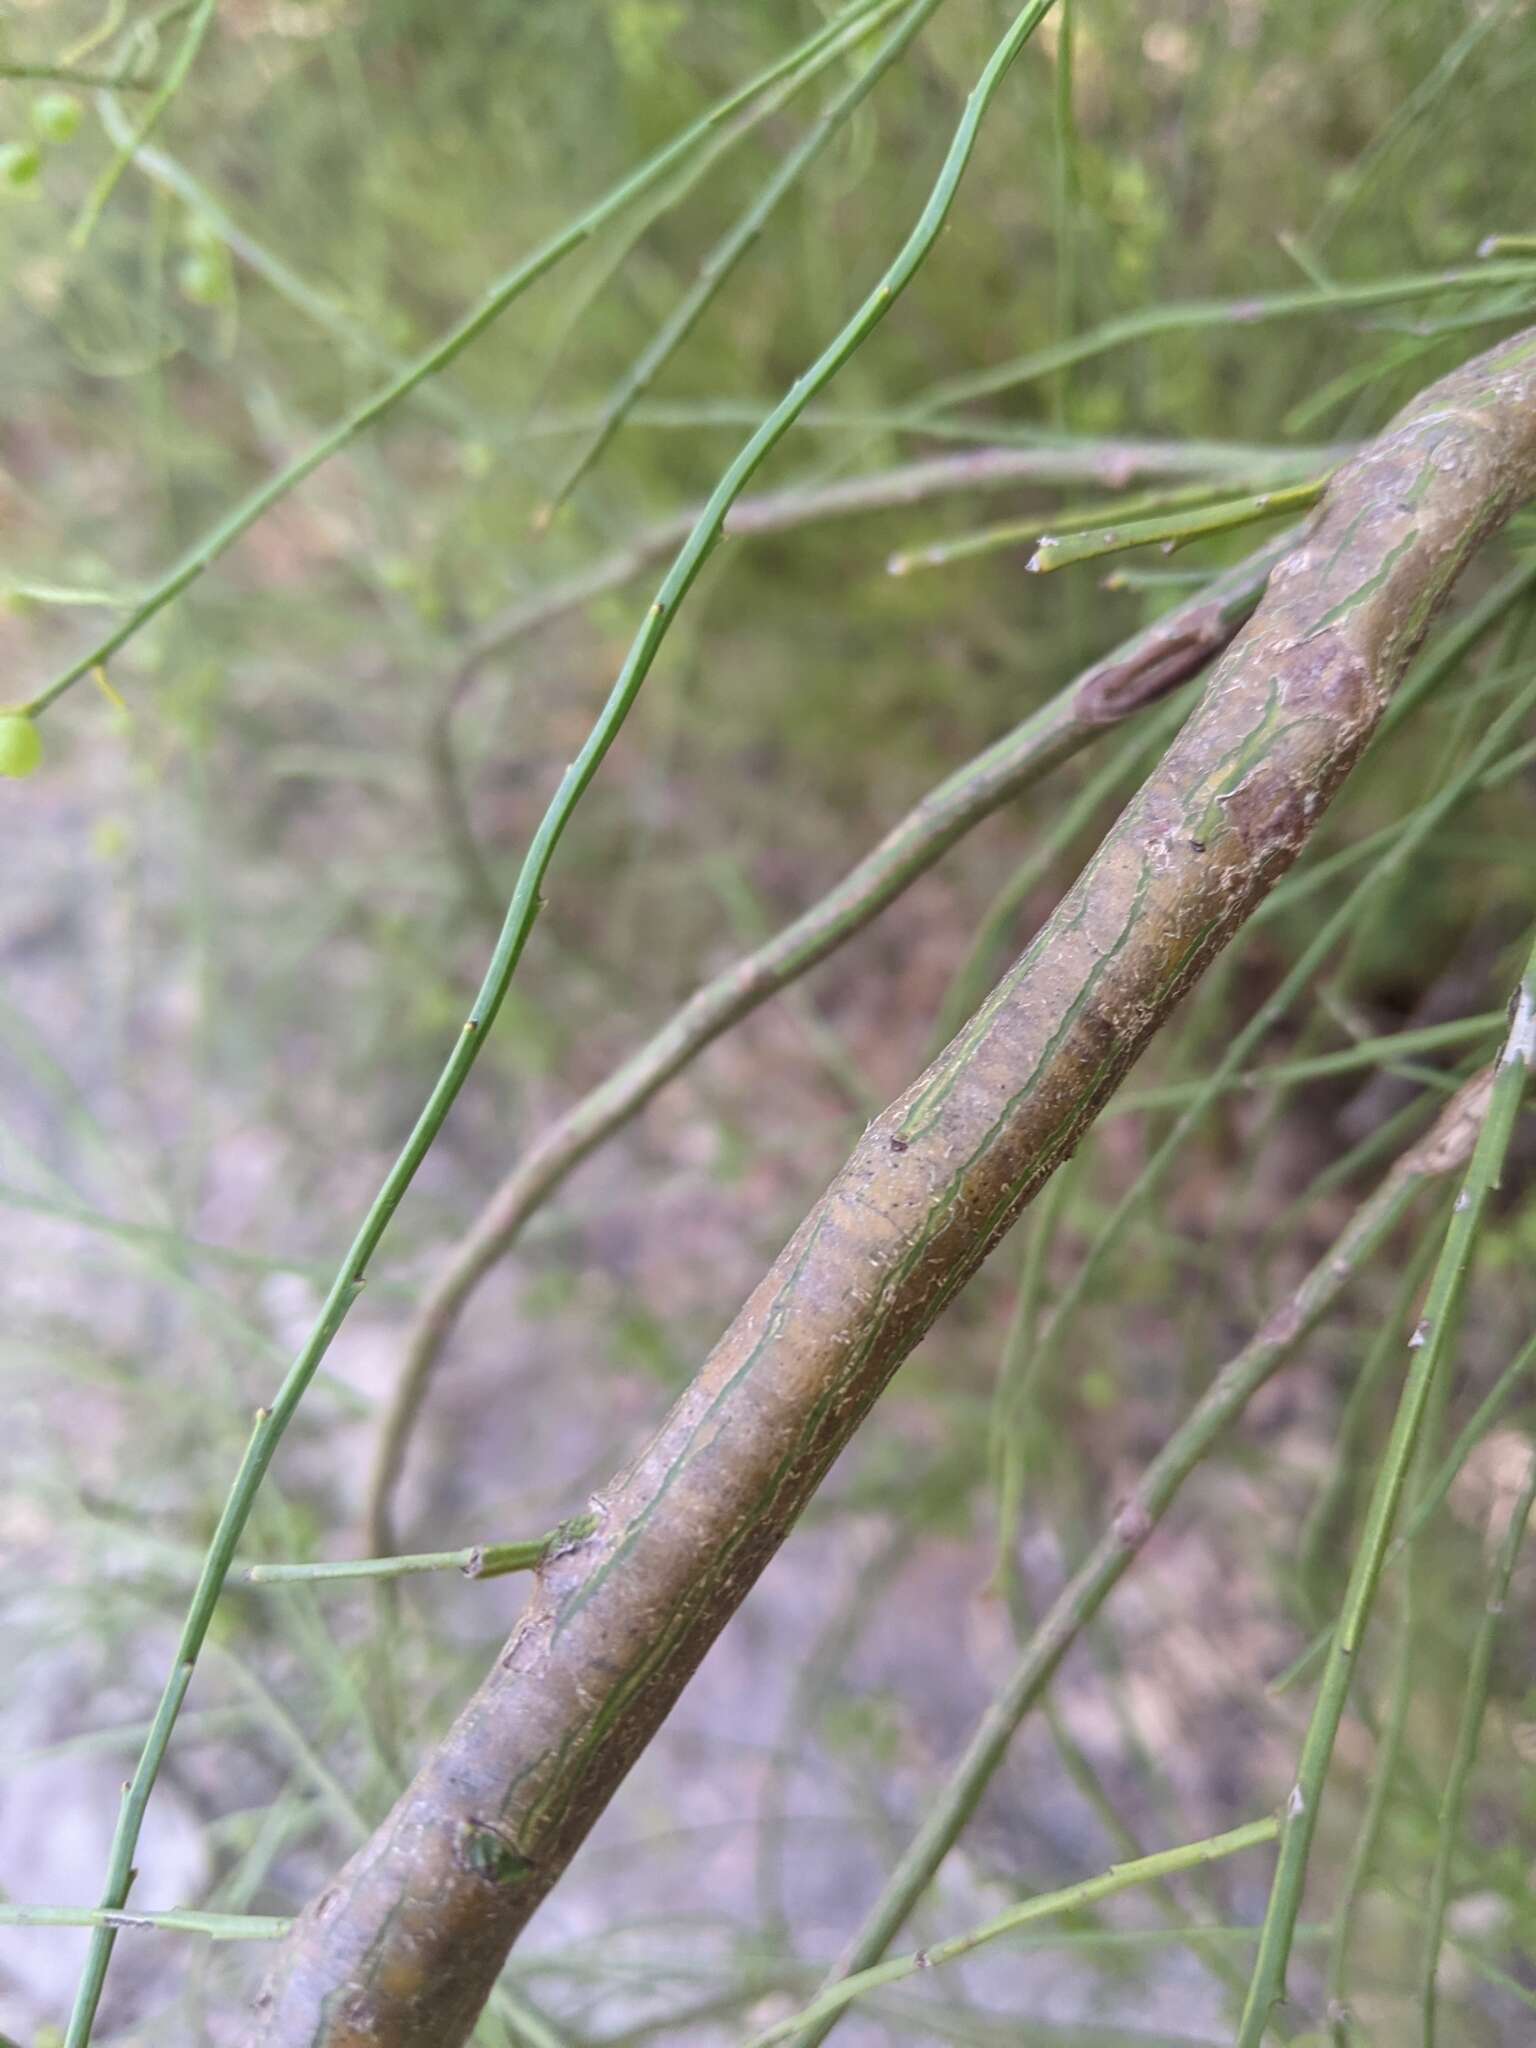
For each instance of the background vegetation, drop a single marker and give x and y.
(240, 926)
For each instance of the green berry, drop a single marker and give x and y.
(202, 235)
(20, 747)
(20, 162)
(202, 279)
(56, 116)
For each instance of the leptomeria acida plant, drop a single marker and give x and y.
(408, 1937)
(522, 910)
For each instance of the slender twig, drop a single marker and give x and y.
(1436, 1487)
(1430, 1352)
(1406, 1675)
(1196, 314)
(718, 264)
(1468, 1733)
(216, 1926)
(1345, 190)
(488, 308)
(182, 60)
(1013, 533)
(1478, 1423)
(1315, 1545)
(1173, 529)
(1134, 1521)
(64, 74)
(527, 897)
(1387, 1051)
(478, 1561)
(1136, 674)
(1225, 1970)
(1120, 1877)
(1064, 193)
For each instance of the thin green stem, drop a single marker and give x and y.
(1198, 314)
(1064, 190)
(1315, 1545)
(1012, 533)
(1407, 1669)
(1386, 1051)
(1468, 1734)
(1079, 1768)
(478, 1561)
(718, 264)
(244, 515)
(1120, 1877)
(1478, 1424)
(1429, 1351)
(1172, 530)
(527, 897)
(216, 1926)
(120, 1869)
(175, 78)
(64, 74)
(1436, 1487)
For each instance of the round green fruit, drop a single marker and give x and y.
(20, 163)
(20, 747)
(56, 116)
(202, 279)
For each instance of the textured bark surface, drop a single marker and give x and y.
(402, 1950)
(1136, 675)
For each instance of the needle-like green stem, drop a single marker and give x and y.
(717, 266)
(1468, 1734)
(1120, 1877)
(478, 1561)
(523, 909)
(215, 1926)
(1014, 533)
(1173, 529)
(185, 56)
(1197, 314)
(65, 74)
(491, 305)
(1430, 1354)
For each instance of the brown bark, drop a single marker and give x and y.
(402, 1950)
(1149, 665)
